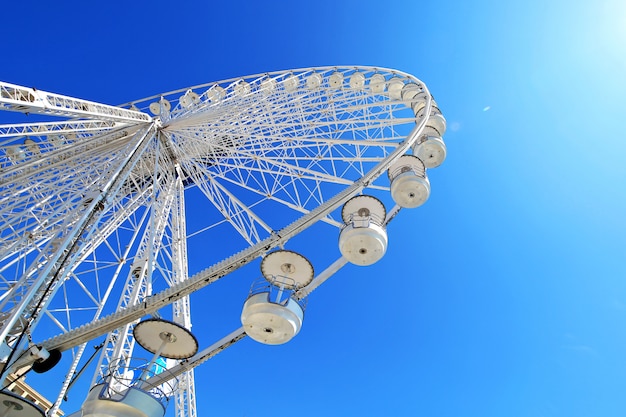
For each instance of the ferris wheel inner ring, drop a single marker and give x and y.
(401, 145)
(339, 126)
(234, 123)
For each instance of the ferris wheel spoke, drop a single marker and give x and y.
(265, 197)
(93, 277)
(33, 289)
(238, 334)
(140, 278)
(239, 215)
(29, 100)
(270, 178)
(275, 148)
(95, 235)
(61, 162)
(219, 270)
(45, 212)
(21, 130)
(110, 256)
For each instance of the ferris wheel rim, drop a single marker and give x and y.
(271, 73)
(385, 162)
(303, 221)
(202, 278)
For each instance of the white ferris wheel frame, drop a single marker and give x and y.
(180, 112)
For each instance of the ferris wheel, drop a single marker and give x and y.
(100, 211)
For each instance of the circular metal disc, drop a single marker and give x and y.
(151, 333)
(364, 205)
(287, 264)
(155, 108)
(12, 405)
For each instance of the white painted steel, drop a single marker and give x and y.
(363, 243)
(410, 187)
(300, 141)
(409, 190)
(238, 334)
(430, 147)
(29, 100)
(431, 150)
(287, 268)
(363, 239)
(133, 403)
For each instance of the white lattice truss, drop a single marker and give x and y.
(94, 206)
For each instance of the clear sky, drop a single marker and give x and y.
(504, 295)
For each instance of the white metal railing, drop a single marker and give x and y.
(122, 377)
(358, 220)
(279, 289)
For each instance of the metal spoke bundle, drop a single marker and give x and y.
(98, 210)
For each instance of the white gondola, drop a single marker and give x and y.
(268, 85)
(431, 150)
(15, 153)
(415, 96)
(271, 323)
(357, 80)
(394, 88)
(430, 147)
(133, 402)
(377, 84)
(313, 81)
(271, 314)
(121, 395)
(336, 80)
(363, 239)
(215, 93)
(160, 107)
(291, 83)
(410, 187)
(189, 99)
(242, 88)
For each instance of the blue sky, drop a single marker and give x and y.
(505, 294)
